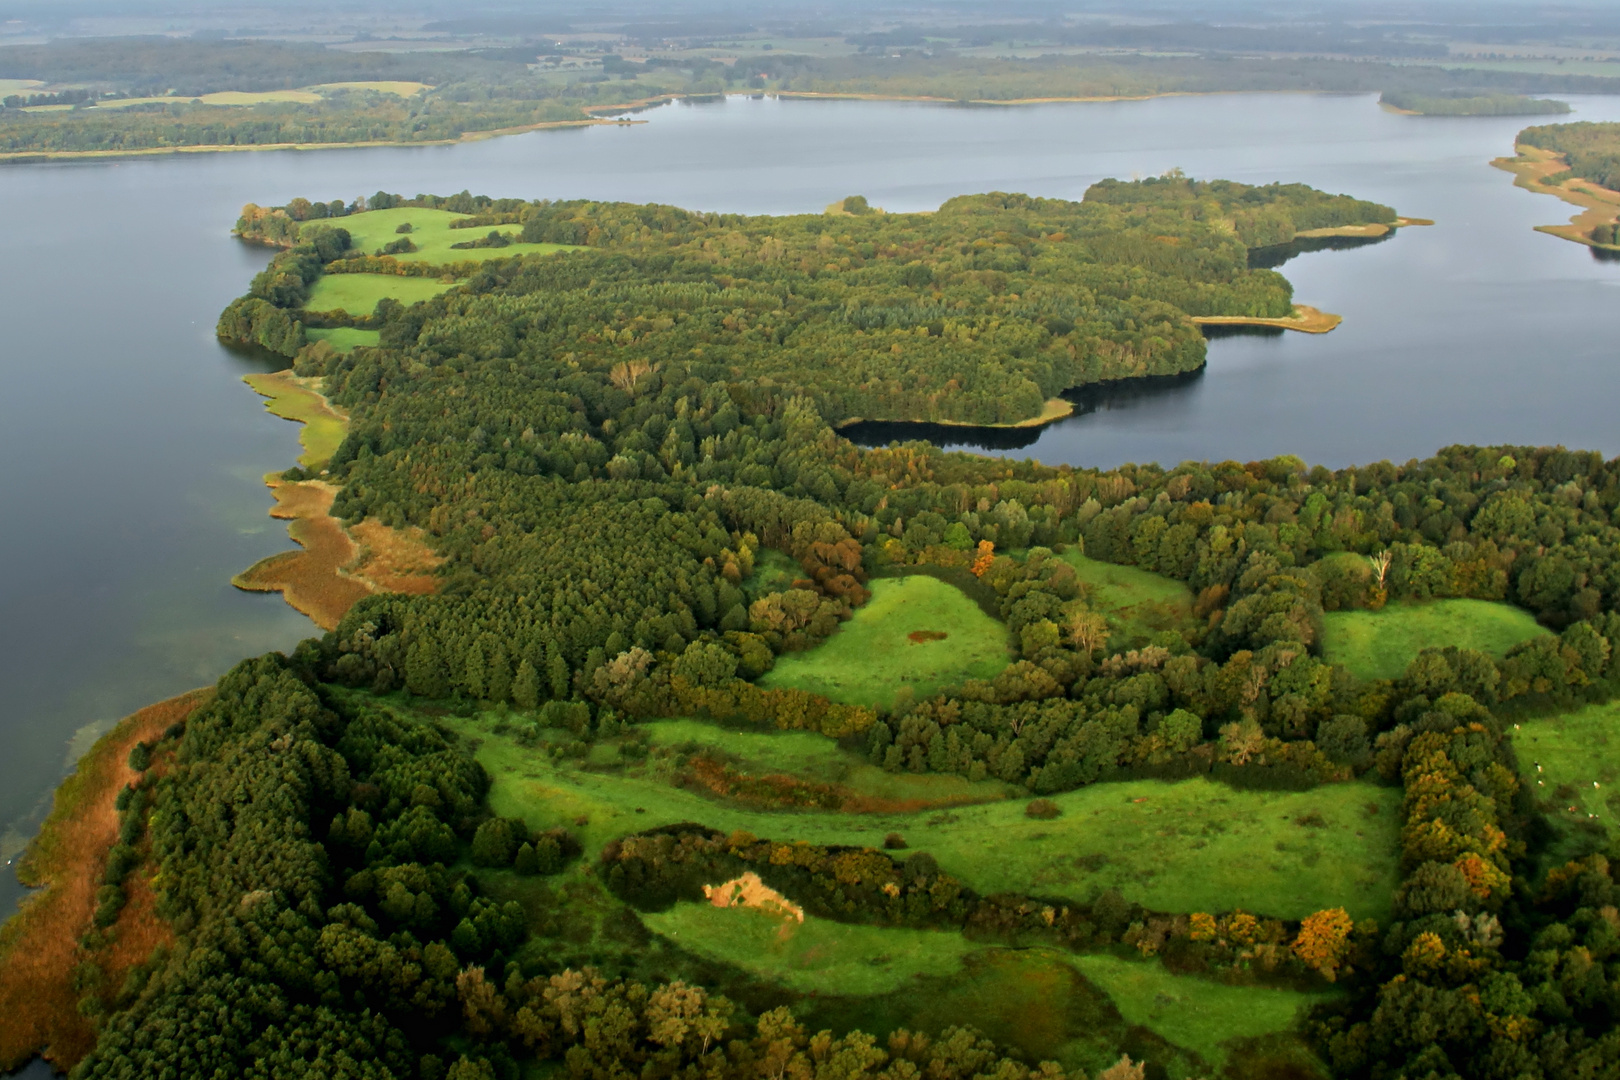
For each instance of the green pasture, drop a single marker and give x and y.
(1192, 845)
(1195, 1014)
(358, 293)
(872, 655)
(343, 338)
(1380, 644)
(817, 956)
(1137, 603)
(1571, 764)
(432, 235)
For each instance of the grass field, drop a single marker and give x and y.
(1195, 1014)
(1194, 845)
(1380, 644)
(397, 88)
(1574, 752)
(343, 338)
(432, 235)
(886, 645)
(358, 293)
(1137, 603)
(817, 956)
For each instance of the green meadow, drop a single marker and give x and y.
(1137, 603)
(433, 236)
(342, 338)
(358, 293)
(1190, 845)
(1380, 644)
(1195, 1014)
(817, 956)
(1571, 764)
(916, 632)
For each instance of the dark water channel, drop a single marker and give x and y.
(133, 453)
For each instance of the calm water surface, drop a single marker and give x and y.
(133, 453)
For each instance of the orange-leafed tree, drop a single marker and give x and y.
(1323, 941)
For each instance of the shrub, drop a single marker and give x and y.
(1043, 810)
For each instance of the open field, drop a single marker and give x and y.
(343, 338)
(1193, 845)
(1196, 1014)
(817, 956)
(39, 947)
(358, 293)
(397, 88)
(1571, 764)
(1137, 603)
(432, 235)
(300, 401)
(888, 644)
(1380, 644)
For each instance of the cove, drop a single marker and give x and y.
(136, 454)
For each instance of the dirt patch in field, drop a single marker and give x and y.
(749, 891)
(336, 567)
(40, 946)
(920, 636)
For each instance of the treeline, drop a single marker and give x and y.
(653, 870)
(1592, 150)
(1472, 104)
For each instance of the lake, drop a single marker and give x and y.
(135, 452)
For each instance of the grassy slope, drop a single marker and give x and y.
(432, 235)
(343, 338)
(871, 657)
(817, 956)
(1137, 603)
(358, 293)
(1574, 752)
(1197, 1014)
(1190, 846)
(1379, 644)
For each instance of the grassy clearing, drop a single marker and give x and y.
(1380, 644)
(1195, 1014)
(343, 338)
(295, 399)
(432, 235)
(358, 293)
(1194, 845)
(1571, 764)
(886, 646)
(397, 88)
(817, 956)
(1137, 603)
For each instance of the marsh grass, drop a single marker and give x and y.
(1380, 644)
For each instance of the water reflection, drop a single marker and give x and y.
(1273, 256)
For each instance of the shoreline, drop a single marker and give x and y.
(1599, 205)
(42, 943)
(334, 567)
(1306, 319)
(1053, 410)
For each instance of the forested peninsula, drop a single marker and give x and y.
(596, 803)
(1579, 163)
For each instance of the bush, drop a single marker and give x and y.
(1043, 810)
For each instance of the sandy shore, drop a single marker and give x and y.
(1306, 319)
(1599, 205)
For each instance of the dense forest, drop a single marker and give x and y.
(1591, 150)
(978, 312)
(606, 445)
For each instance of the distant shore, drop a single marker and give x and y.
(1599, 205)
